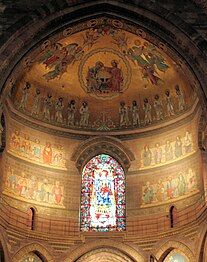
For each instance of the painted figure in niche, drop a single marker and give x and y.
(37, 103)
(71, 113)
(168, 151)
(57, 192)
(59, 110)
(169, 103)
(58, 57)
(47, 154)
(47, 108)
(181, 99)
(148, 194)
(187, 143)
(178, 147)
(123, 114)
(147, 112)
(158, 106)
(84, 114)
(146, 156)
(105, 79)
(158, 154)
(135, 114)
(25, 94)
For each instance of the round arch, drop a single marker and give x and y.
(103, 205)
(169, 245)
(36, 248)
(135, 254)
(3, 244)
(40, 28)
(102, 145)
(201, 244)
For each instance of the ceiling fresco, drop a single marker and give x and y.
(102, 75)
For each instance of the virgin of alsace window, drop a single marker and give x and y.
(103, 195)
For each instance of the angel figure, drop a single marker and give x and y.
(60, 60)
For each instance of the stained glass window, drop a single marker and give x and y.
(103, 195)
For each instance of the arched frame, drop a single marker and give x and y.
(102, 145)
(168, 245)
(40, 28)
(135, 253)
(44, 253)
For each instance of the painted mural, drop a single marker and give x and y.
(148, 59)
(168, 152)
(31, 148)
(105, 78)
(176, 256)
(31, 257)
(172, 187)
(136, 114)
(137, 78)
(41, 191)
(103, 195)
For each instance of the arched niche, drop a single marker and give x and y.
(33, 249)
(103, 195)
(169, 246)
(201, 243)
(105, 255)
(133, 253)
(31, 218)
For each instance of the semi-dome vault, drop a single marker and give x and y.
(103, 65)
(104, 135)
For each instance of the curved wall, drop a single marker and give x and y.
(38, 170)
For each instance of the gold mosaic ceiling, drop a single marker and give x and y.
(103, 66)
